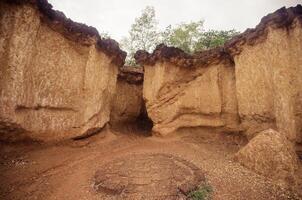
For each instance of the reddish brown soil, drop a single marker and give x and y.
(109, 164)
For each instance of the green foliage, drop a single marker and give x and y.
(203, 192)
(143, 34)
(213, 38)
(183, 36)
(190, 37)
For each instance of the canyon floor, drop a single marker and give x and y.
(130, 164)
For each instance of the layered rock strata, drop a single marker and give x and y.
(57, 77)
(178, 95)
(251, 83)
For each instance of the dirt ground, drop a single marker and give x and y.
(131, 165)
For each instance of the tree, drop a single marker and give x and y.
(143, 34)
(213, 38)
(190, 37)
(184, 35)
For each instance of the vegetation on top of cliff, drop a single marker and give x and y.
(282, 18)
(144, 35)
(180, 58)
(189, 37)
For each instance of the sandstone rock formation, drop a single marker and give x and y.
(252, 81)
(57, 77)
(272, 155)
(199, 94)
(268, 65)
(128, 99)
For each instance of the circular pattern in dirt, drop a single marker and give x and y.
(147, 176)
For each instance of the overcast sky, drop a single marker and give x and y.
(116, 16)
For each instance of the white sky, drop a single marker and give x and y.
(116, 16)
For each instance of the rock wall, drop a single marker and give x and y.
(57, 77)
(250, 84)
(128, 99)
(180, 91)
(268, 82)
(268, 74)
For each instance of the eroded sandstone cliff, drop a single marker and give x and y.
(250, 84)
(128, 99)
(268, 77)
(181, 94)
(57, 77)
(268, 73)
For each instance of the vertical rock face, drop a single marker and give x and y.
(128, 99)
(268, 74)
(252, 83)
(268, 85)
(255, 79)
(57, 77)
(184, 91)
